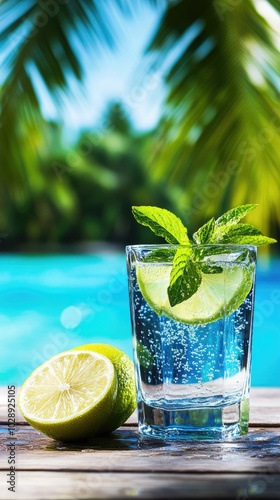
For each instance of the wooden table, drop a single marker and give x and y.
(121, 466)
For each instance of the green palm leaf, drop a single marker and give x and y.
(46, 36)
(219, 137)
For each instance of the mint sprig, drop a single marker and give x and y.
(162, 223)
(185, 277)
(234, 215)
(186, 273)
(205, 233)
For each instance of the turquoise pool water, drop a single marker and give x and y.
(55, 302)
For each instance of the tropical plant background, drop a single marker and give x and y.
(215, 146)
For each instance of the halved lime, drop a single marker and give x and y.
(217, 296)
(125, 403)
(69, 396)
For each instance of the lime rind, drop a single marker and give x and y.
(125, 403)
(217, 296)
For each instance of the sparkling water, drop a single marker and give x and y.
(182, 365)
(193, 379)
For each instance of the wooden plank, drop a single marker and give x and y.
(123, 450)
(85, 486)
(264, 407)
(4, 406)
(266, 393)
(124, 465)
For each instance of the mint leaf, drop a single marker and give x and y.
(185, 277)
(200, 252)
(160, 255)
(188, 265)
(204, 234)
(235, 214)
(163, 223)
(207, 269)
(257, 240)
(233, 233)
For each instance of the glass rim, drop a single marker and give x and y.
(152, 246)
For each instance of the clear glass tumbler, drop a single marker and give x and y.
(193, 360)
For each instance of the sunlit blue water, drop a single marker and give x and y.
(52, 303)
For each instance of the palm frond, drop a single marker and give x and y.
(35, 35)
(222, 109)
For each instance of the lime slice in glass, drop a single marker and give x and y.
(217, 296)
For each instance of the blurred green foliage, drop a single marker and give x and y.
(217, 144)
(85, 192)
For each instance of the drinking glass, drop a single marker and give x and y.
(193, 360)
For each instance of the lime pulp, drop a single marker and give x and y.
(217, 296)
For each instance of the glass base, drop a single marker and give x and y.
(209, 424)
